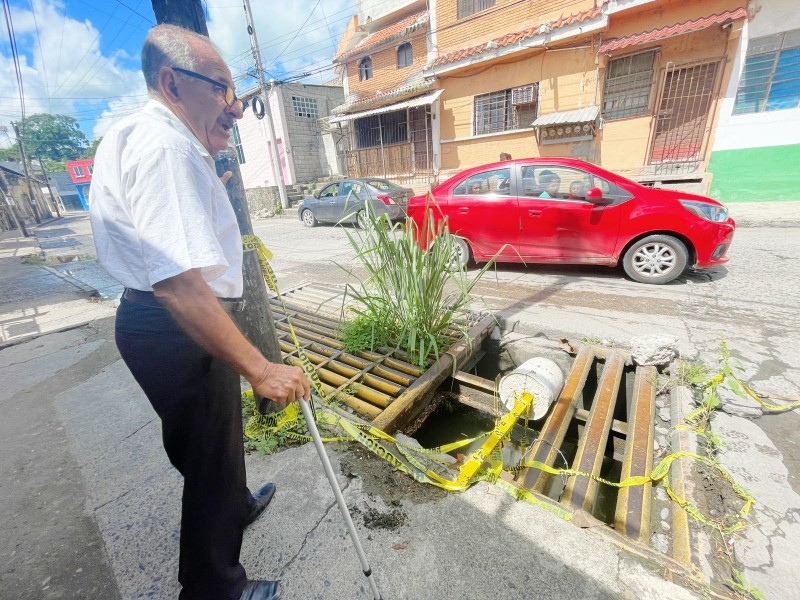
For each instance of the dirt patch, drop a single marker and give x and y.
(390, 520)
(379, 478)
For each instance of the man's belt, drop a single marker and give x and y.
(230, 305)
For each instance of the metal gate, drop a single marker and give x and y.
(680, 124)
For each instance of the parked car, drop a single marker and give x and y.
(567, 211)
(345, 201)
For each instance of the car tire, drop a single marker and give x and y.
(309, 220)
(655, 259)
(461, 253)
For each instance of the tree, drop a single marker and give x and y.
(92, 149)
(54, 137)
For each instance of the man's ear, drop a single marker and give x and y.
(168, 85)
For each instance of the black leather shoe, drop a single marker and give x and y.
(260, 501)
(260, 590)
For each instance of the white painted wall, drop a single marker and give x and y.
(774, 128)
(258, 170)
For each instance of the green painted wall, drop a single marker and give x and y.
(756, 174)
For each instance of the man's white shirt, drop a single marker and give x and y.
(158, 208)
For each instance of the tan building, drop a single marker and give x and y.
(390, 107)
(632, 85)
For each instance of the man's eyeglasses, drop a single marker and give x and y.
(230, 94)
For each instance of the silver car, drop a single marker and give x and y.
(345, 202)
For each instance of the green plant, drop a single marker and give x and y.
(739, 584)
(267, 444)
(685, 373)
(248, 406)
(34, 259)
(411, 294)
(277, 209)
(365, 333)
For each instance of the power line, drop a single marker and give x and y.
(136, 12)
(275, 60)
(41, 49)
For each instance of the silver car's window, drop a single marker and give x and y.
(331, 190)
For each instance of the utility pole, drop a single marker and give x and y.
(36, 215)
(276, 159)
(255, 321)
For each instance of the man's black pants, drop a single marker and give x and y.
(198, 399)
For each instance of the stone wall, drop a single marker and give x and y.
(261, 198)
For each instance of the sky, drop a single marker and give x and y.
(82, 57)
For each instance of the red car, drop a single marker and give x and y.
(567, 211)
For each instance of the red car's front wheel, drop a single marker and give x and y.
(655, 259)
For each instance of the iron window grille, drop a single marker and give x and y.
(305, 107)
(470, 7)
(382, 130)
(365, 69)
(78, 171)
(771, 76)
(404, 55)
(237, 144)
(629, 82)
(505, 110)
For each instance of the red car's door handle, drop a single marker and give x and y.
(463, 210)
(534, 213)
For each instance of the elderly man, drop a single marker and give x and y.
(163, 227)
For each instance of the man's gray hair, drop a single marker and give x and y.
(168, 46)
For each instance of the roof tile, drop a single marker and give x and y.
(395, 30)
(672, 30)
(518, 36)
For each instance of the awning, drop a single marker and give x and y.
(418, 101)
(672, 30)
(582, 115)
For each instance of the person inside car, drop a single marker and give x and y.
(577, 190)
(550, 183)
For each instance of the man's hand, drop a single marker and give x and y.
(225, 177)
(282, 384)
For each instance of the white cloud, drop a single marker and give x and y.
(64, 70)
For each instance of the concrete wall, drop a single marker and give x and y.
(374, 10)
(312, 156)
(304, 155)
(755, 156)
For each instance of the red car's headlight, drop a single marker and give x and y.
(706, 210)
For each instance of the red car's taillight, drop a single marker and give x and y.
(385, 199)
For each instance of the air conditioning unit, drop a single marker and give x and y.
(523, 95)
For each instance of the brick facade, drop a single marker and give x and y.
(386, 75)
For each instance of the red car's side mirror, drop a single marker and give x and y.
(594, 195)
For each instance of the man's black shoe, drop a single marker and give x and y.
(260, 590)
(260, 501)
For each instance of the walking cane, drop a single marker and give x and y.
(337, 492)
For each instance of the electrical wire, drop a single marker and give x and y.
(15, 56)
(275, 60)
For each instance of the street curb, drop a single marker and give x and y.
(690, 544)
(749, 223)
(86, 289)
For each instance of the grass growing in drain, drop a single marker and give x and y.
(410, 297)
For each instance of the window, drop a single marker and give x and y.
(404, 55)
(330, 191)
(489, 182)
(365, 69)
(505, 110)
(78, 171)
(382, 130)
(564, 183)
(237, 144)
(91, 169)
(305, 107)
(470, 7)
(628, 84)
(771, 76)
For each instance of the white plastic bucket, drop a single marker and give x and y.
(538, 376)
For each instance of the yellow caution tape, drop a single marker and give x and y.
(484, 464)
